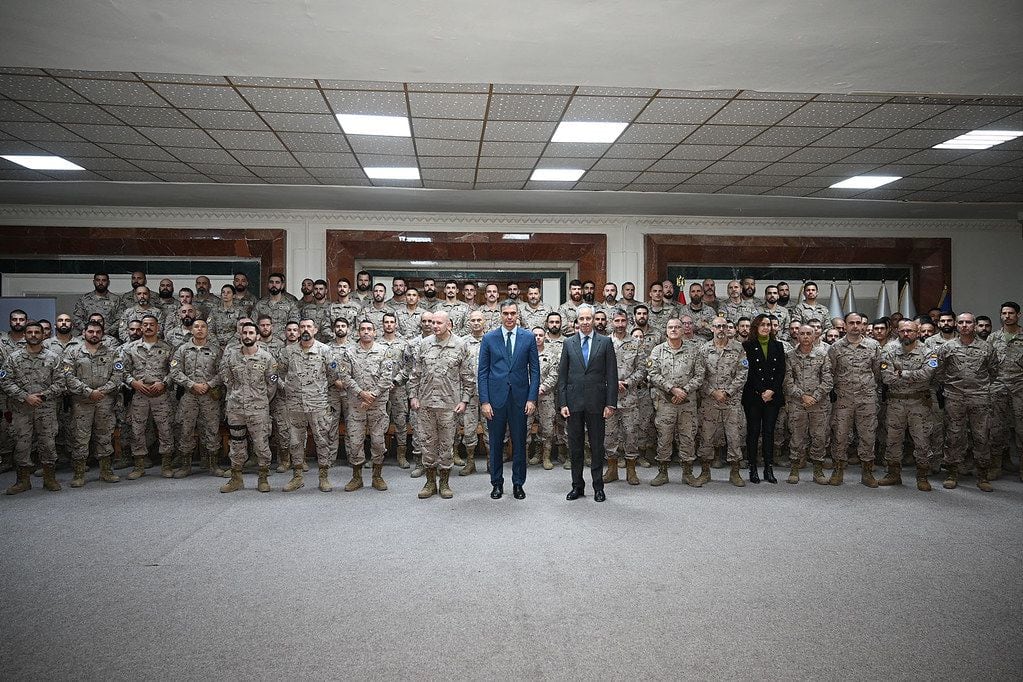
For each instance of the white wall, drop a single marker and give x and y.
(985, 254)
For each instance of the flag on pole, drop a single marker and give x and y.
(849, 303)
(680, 283)
(884, 306)
(835, 304)
(906, 306)
(945, 304)
(799, 296)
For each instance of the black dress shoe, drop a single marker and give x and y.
(496, 493)
(754, 477)
(518, 493)
(769, 475)
(599, 496)
(574, 494)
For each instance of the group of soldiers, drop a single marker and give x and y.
(395, 372)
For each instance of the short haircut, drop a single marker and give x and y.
(229, 286)
(33, 323)
(249, 324)
(1010, 304)
(983, 317)
(93, 323)
(101, 274)
(19, 311)
(390, 315)
(508, 303)
(575, 283)
(345, 280)
(321, 281)
(640, 307)
(276, 274)
(150, 317)
(810, 283)
(262, 317)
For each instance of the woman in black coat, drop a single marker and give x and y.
(762, 397)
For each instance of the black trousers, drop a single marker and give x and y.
(760, 420)
(593, 423)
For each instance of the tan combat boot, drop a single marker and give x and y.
(734, 477)
(78, 479)
(705, 467)
(470, 464)
(546, 456)
(402, 458)
(867, 475)
(23, 483)
(283, 461)
(430, 487)
(444, 485)
(838, 473)
(818, 474)
(534, 458)
(378, 478)
(646, 457)
(687, 475)
(921, 478)
(893, 475)
(418, 470)
(982, 478)
(186, 467)
(630, 472)
(106, 473)
(611, 474)
(794, 473)
(458, 460)
(166, 466)
(325, 486)
(296, 481)
(567, 464)
(236, 482)
(662, 474)
(263, 485)
(356, 481)
(139, 469)
(50, 478)
(952, 480)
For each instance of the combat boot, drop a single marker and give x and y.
(734, 477)
(893, 475)
(458, 460)
(378, 478)
(430, 488)
(23, 483)
(283, 461)
(793, 473)
(687, 475)
(867, 474)
(444, 486)
(215, 469)
(356, 481)
(418, 470)
(718, 462)
(296, 481)
(646, 458)
(818, 474)
(705, 467)
(630, 472)
(325, 486)
(982, 480)
(470, 464)
(402, 459)
(611, 474)
(166, 466)
(534, 459)
(50, 477)
(139, 469)
(547, 463)
(106, 473)
(838, 473)
(78, 479)
(921, 478)
(236, 482)
(263, 485)
(186, 467)
(662, 474)
(952, 480)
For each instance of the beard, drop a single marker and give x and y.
(248, 342)
(430, 294)
(166, 294)
(783, 300)
(274, 290)
(63, 330)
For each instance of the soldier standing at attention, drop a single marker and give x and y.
(622, 427)
(99, 300)
(721, 415)
(32, 378)
(279, 307)
(147, 372)
(439, 389)
(471, 416)
(855, 361)
(368, 378)
(93, 376)
(250, 375)
(808, 385)
(194, 368)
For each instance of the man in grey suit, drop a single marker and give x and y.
(588, 393)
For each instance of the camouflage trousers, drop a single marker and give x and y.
(646, 432)
(545, 418)
(245, 427)
(1006, 422)
(40, 422)
(721, 424)
(808, 430)
(621, 433)
(962, 417)
(398, 410)
(913, 414)
(161, 409)
(337, 402)
(863, 414)
(675, 424)
(281, 435)
(316, 422)
(199, 414)
(437, 428)
(471, 421)
(362, 421)
(95, 423)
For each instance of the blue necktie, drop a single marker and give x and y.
(508, 344)
(586, 351)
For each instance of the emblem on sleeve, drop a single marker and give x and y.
(118, 366)
(933, 363)
(3, 373)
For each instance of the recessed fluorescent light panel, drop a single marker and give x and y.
(392, 173)
(517, 236)
(865, 181)
(980, 139)
(588, 131)
(43, 162)
(359, 124)
(556, 174)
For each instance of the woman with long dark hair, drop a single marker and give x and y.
(762, 397)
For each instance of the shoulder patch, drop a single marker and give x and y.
(118, 366)
(745, 362)
(932, 363)
(333, 364)
(3, 373)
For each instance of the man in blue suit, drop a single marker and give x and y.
(508, 380)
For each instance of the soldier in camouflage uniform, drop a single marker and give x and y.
(810, 309)
(721, 413)
(908, 371)
(100, 300)
(93, 376)
(319, 311)
(622, 433)
(807, 387)
(368, 378)
(967, 368)
(533, 313)
(439, 389)
(280, 436)
(569, 310)
(675, 372)
(400, 356)
(458, 312)
(223, 318)
(33, 380)
(702, 315)
(410, 315)
(142, 306)
(1007, 393)
(646, 431)
(147, 371)
(491, 309)
(279, 307)
(471, 420)
(177, 335)
(375, 311)
(249, 374)
(194, 368)
(855, 364)
(243, 297)
(204, 301)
